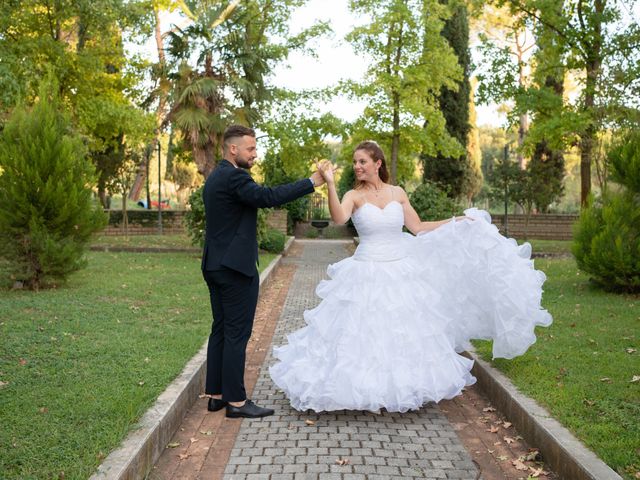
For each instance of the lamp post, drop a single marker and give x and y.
(159, 192)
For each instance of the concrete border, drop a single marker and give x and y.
(563, 452)
(139, 451)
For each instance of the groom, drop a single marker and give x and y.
(231, 202)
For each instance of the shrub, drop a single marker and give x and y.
(432, 203)
(273, 241)
(47, 215)
(607, 234)
(607, 242)
(195, 219)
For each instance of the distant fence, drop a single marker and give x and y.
(541, 227)
(145, 222)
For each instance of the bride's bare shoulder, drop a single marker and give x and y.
(399, 193)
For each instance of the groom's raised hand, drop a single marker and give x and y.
(317, 179)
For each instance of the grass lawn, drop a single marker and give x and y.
(80, 364)
(549, 246)
(581, 368)
(173, 241)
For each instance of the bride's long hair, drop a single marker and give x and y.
(376, 153)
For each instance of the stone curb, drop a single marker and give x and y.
(139, 451)
(563, 452)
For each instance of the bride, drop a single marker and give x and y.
(394, 316)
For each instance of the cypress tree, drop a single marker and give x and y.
(46, 212)
(453, 173)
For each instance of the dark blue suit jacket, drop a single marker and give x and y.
(231, 202)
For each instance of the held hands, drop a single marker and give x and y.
(317, 179)
(326, 170)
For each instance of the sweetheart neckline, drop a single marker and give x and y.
(376, 206)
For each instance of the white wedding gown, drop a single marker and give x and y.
(394, 315)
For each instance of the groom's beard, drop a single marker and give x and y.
(244, 163)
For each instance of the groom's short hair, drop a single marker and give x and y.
(233, 131)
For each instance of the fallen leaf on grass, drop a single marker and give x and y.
(309, 422)
(605, 380)
(493, 429)
(43, 410)
(2, 384)
(23, 362)
(634, 379)
(342, 461)
(519, 465)
(173, 445)
(630, 350)
(141, 383)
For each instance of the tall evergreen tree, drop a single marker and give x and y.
(454, 172)
(46, 211)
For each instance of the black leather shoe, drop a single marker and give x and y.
(248, 410)
(216, 404)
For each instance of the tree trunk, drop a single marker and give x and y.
(125, 217)
(524, 120)
(593, 52)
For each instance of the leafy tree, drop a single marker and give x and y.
(46, 211)
(81, 42)
(236, 47)
(594, 41)
(410, 64)
(506, 44)
(293, 142)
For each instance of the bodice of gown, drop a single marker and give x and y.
(380, 232)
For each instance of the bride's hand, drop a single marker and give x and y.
(326, 169)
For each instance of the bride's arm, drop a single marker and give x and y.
(340, 212)
(412, 220)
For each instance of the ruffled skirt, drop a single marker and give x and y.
(387, 334)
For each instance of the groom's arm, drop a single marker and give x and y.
(246, 190)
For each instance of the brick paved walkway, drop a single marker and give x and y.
(340, 445)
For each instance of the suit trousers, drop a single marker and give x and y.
(234, 297)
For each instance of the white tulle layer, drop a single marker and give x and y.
(386, 333)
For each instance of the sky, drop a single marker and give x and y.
(335, 59)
